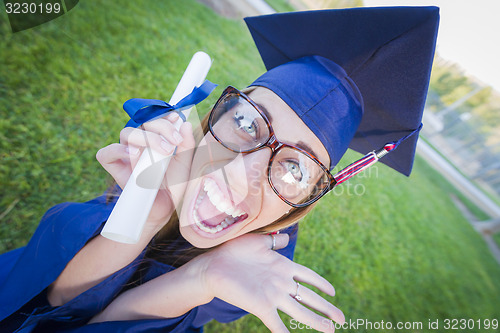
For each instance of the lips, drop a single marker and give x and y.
(213, 211)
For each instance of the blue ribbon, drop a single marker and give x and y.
(142, 110)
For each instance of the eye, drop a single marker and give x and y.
(247, 125)
(294, 169)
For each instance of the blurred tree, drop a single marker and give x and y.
(470, 111)
(448, 81)
(464, 94)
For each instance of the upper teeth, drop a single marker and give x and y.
(223, 205)
(218, 199)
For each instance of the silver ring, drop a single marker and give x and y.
(297, 296)
(274, 242)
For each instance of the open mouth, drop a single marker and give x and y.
(213, 212)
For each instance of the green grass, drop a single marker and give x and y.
(496, 238)
(396, 249)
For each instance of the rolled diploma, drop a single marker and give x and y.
(132, 209)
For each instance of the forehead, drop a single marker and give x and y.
(288, 127)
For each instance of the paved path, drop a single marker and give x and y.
(469, 190)
(460, 182)
(479, 227)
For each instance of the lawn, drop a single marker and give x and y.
(395, 248)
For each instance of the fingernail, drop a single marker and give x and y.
(132, 150)
(165, 145)
(177, 137)
(172, 116)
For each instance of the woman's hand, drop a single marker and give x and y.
(244, 272)
(119, 159)
(248, 274)
(101, 257)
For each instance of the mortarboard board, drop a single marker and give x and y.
(358, 77)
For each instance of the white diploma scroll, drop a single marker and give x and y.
(131, 211)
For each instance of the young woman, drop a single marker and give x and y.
(263, 162)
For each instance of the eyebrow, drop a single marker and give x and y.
(306, 147)
(266, 113)
(300, 144)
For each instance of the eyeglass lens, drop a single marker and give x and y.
(240, 127)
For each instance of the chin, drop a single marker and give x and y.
(197, 241)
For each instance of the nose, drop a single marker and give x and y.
(248, 172)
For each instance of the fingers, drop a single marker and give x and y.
(111, 153)
(166, 129)
(186, 131)
(160, 134)
(274, 323)
(117, 160)
(312, 300)
(307, 317)
(307, 275)
(172, 117)
(139, 138)
(185, 150)
(280, 241)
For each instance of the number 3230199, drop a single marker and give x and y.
(32, 8)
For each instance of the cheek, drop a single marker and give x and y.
(274, 206)
(187, 203)
(256, 174)
(272, 209)
(201, 156)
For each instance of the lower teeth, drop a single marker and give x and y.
(213, 229)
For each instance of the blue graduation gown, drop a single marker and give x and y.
(25, 273)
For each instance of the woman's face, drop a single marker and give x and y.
(228, 194)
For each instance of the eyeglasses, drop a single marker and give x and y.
(295, 175)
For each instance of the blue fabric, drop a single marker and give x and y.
(142, 110)
(25, 274)
(385, 52)
(330, 104)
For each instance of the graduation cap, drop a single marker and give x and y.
(357, 77)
